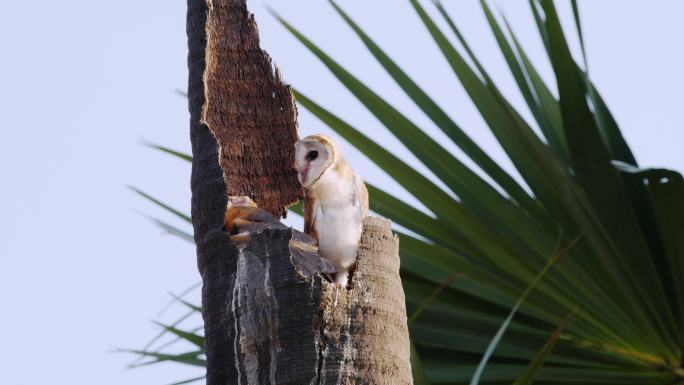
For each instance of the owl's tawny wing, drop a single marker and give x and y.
(310, 206)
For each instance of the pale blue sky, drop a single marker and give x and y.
(81, 271)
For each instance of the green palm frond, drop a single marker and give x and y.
(623, 278)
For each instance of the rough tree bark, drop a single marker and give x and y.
(269, 317)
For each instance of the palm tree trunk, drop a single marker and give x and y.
(269, 318)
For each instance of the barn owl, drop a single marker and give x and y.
(335, 201)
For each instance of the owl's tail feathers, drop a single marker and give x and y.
(305, 258)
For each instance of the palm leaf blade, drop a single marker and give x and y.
(602, 183)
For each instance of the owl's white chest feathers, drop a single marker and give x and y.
(338, 218)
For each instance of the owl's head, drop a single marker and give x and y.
(313, 155)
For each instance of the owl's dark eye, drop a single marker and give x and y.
(312, 155)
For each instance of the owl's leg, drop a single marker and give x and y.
(342, 277)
